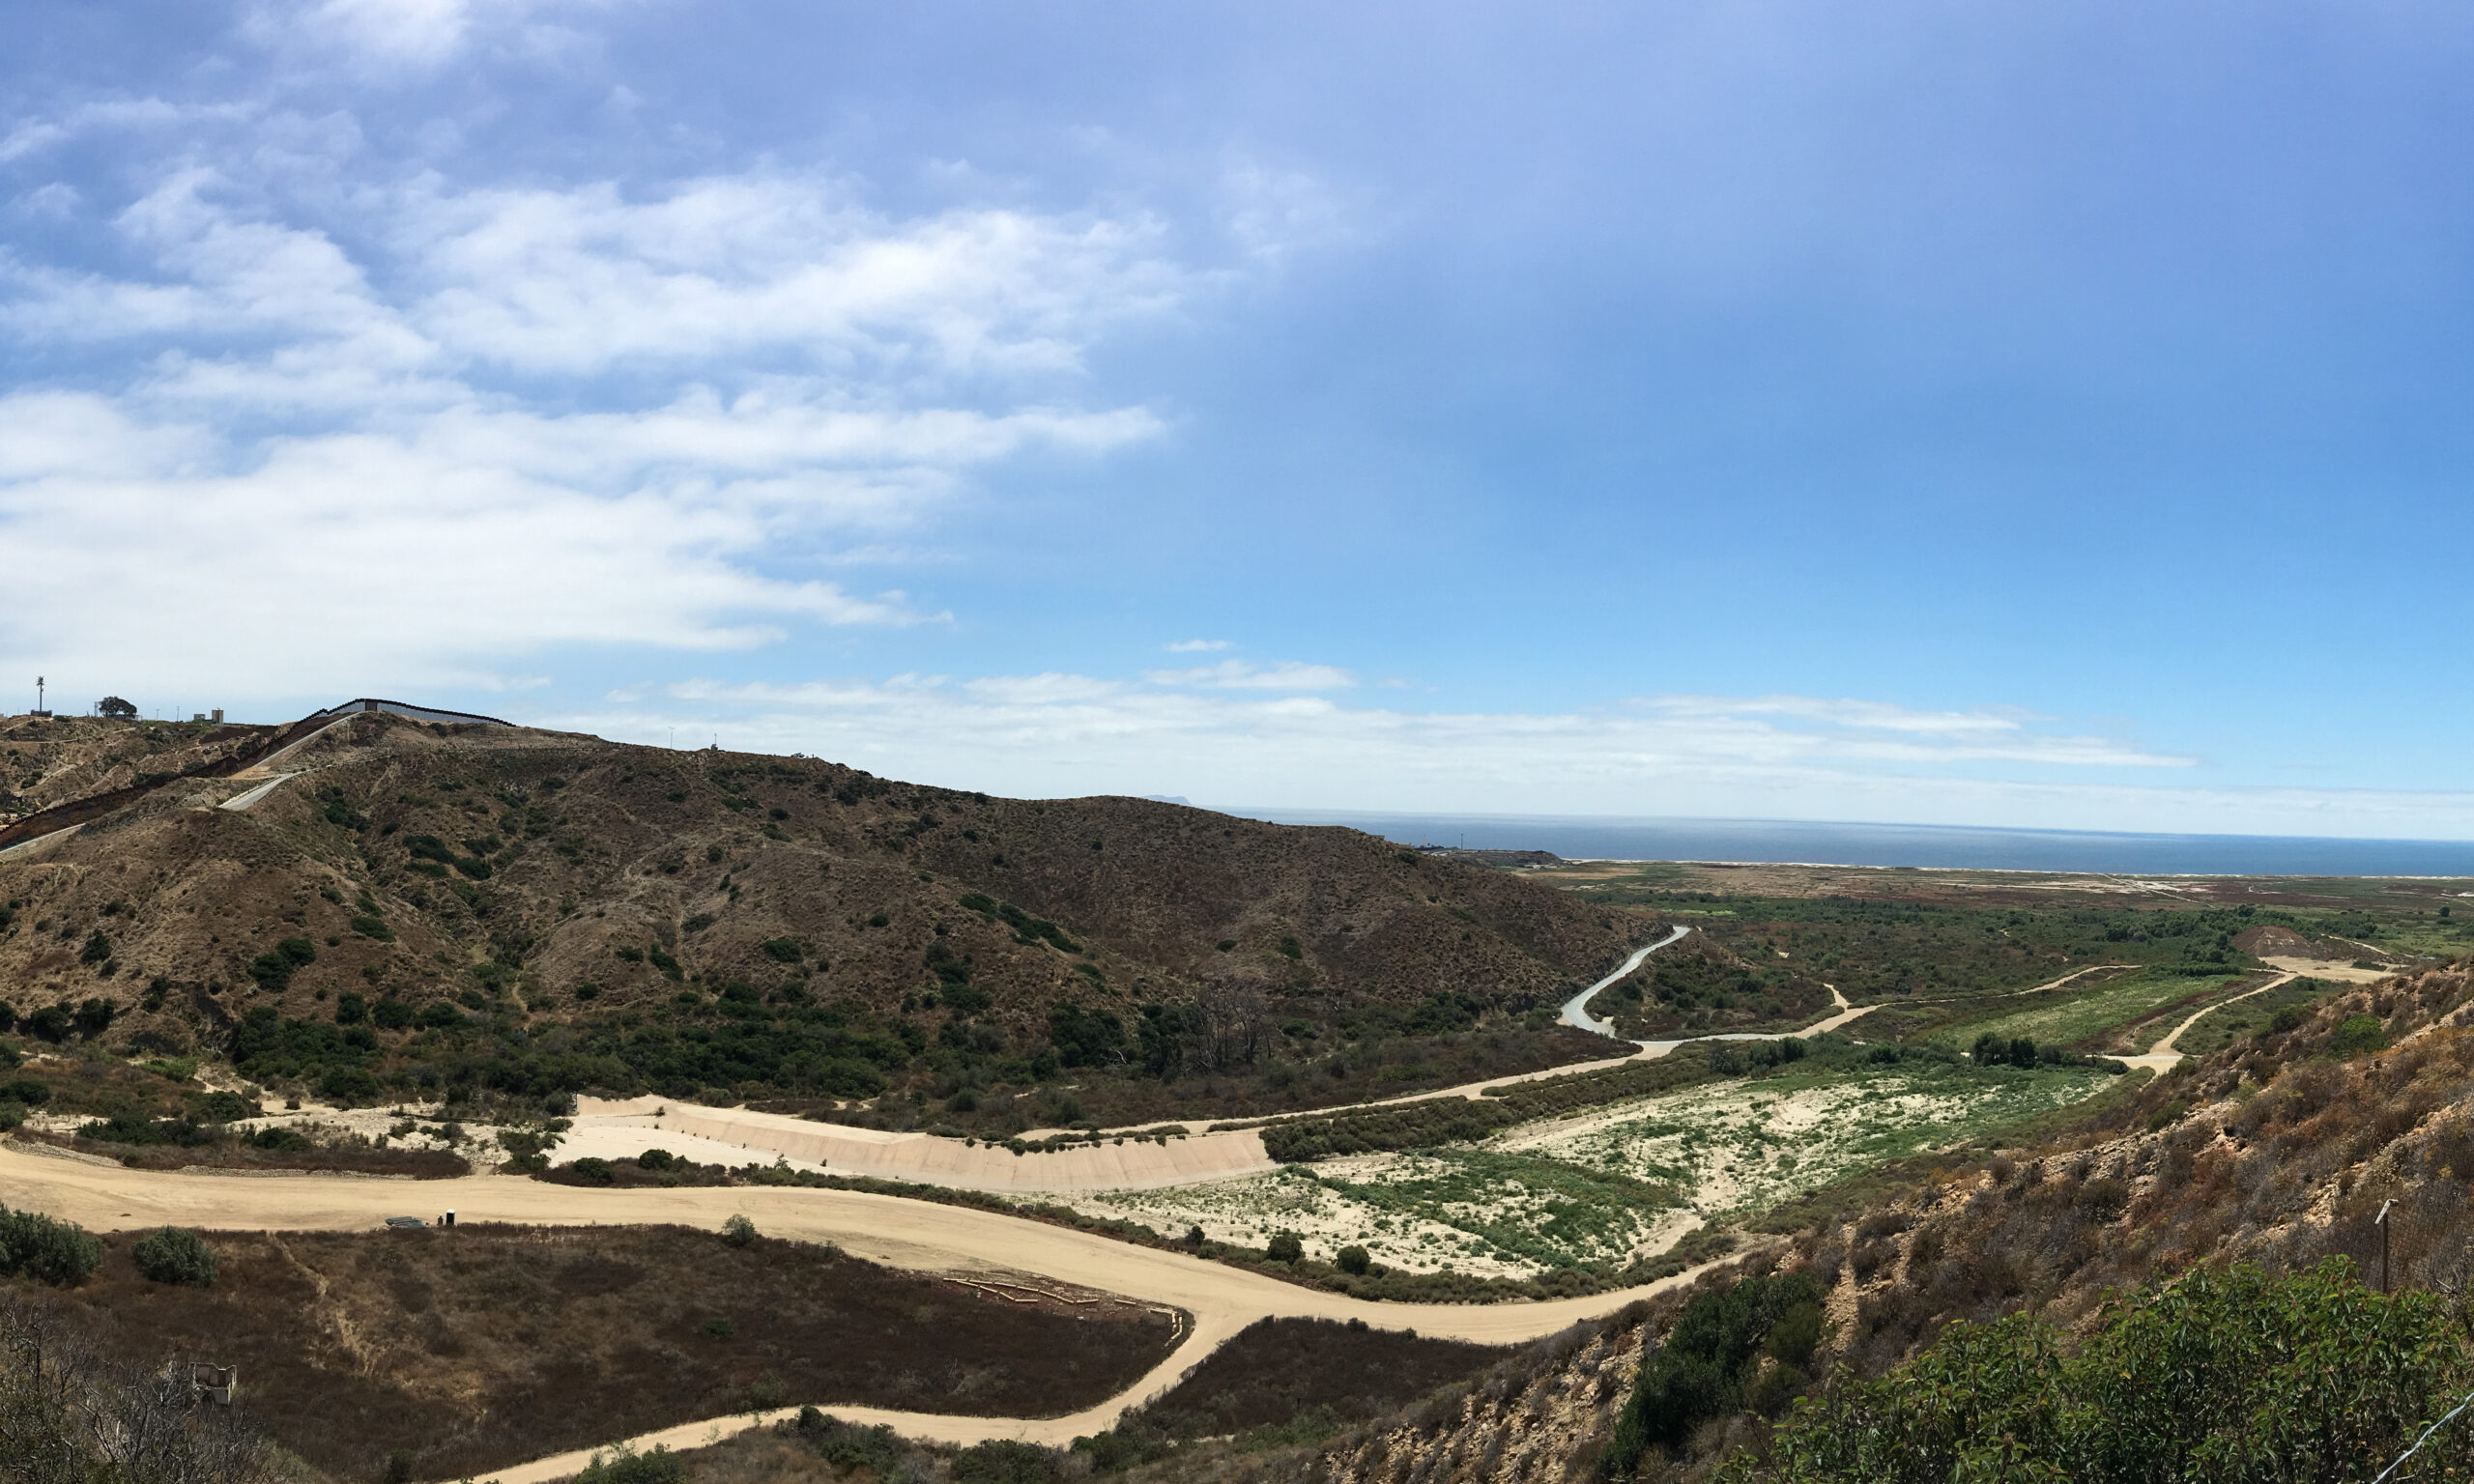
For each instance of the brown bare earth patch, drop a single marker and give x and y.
(396, 1163)
(1281, 1369)
(484, 1346)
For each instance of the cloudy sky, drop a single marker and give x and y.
(1946, 412)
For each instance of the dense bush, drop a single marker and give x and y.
(175, 1254)
(2357, 1034)
(46, 1250)
(2229, 1375)
(1410, 1125)
(274, 969)
(739, 1230)
(1712, 1359)
(622, 1464)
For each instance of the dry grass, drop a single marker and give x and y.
(485, 1346)
(1280, 1369)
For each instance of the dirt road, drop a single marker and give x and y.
(1576, 1008)
(916, 1235)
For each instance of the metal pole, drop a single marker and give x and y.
(2381, 1221)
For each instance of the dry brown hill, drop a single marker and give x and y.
(531, 875)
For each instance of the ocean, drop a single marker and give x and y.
(1950, 846)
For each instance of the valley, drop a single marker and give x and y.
(1075, 1057)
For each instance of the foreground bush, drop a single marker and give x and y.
(622, 1464)
(69, 1417)
(49, 1251)
(2228, 1377)
(1709, 1364)
(175, 1254)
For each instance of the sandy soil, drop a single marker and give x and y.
(1731, 1144)
(2335, 969)
(1119, 1164)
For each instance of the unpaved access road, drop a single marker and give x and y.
(2162, 1056)
(916, 1235)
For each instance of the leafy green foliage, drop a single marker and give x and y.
(2357, 1034)
(1702, 1368)
(739, 1230)
(49, 1251)
(274, 969)
(175, 1254)
(2229, 1376)
(622, 1464)
(1409, 1125)
(1027, 930)
(1086, 1038)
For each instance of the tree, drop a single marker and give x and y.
(1355, 1260)
(116, 708)
(1285, 1247)
(175, 1254)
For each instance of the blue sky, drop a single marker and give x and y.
(1960, 413)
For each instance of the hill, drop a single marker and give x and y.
(492, 908)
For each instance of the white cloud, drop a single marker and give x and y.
(1245, 676)
(423, 420)
(1197, 645)
(401, 34)
(1768, 756)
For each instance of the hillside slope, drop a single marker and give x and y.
(531, 877)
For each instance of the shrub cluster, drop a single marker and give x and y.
(1712, 1364)
(2226, 1374)
(46, 1250)
(175, 1254)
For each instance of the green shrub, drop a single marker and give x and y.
(226, 1107)
(1353, 1260)
(656, 1160)
(274, 969)
(1285, 1247)
(739, 1230)
(1003, 1461)
(1698, 1371)
(391, 1014)
(175, 1254)
(46, 1250)
(2226, 1374)
(595, 1171)
(2358, 1034)
(622, 1464)
(782, 950)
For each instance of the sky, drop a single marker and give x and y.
(1943, 412)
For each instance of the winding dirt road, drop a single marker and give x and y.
(916, 1235)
